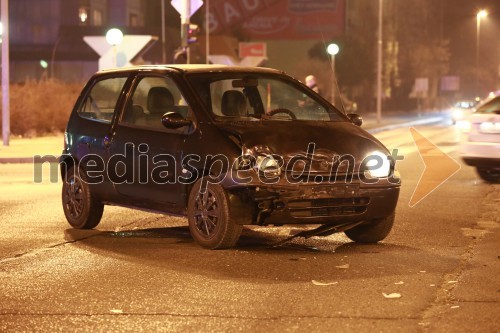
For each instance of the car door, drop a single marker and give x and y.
(142, 142)
(96, 113)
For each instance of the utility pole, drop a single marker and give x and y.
(207, 31)
(163, 41)
(379, 61)
(5, 74)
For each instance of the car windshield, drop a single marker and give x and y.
(491, 106)
(250, 97)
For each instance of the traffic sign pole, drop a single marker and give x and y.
(185, 28)
(186, 8)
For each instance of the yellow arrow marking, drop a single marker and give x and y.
(438, 167)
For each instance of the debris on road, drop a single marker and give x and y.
(392, 295)
(346, 266)
(400, 282)
(319, 283)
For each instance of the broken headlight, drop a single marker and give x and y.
(262, 160)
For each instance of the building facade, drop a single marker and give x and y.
(46, 36)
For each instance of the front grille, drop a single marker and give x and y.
(321, 178)
(328, 207)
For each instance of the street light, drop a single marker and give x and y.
(4, 5)
(480, 15)
(114, 37)
(333, 49)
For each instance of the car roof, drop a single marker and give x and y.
(192, 68)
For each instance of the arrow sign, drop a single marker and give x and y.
(180, 7)
(438, 167)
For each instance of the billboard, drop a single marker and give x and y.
(278, 19)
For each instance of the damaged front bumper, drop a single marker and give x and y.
(305, 203)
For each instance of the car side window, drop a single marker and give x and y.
(100, 103)
(152, 98)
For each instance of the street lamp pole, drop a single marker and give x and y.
(5, 73)
(481, 14)
(114, 37)
(332, 50)
(379, 62)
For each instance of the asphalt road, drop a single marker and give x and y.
(142, 272)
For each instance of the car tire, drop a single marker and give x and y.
(489, 175)
(209, 217)
(372, 231)
(81, 208)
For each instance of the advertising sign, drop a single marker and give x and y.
(278, 19)
(252, 50)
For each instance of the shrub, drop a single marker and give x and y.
(41, 107)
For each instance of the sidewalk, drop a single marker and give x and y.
(22, 150)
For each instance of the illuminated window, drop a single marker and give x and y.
(83, 15)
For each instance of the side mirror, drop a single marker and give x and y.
(356, 119)
(173, 120)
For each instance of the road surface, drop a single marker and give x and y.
(142, 272)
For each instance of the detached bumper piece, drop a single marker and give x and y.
(324, 230)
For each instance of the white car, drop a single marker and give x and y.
(462, 109)
(480, 146)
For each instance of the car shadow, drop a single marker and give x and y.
(256, 257)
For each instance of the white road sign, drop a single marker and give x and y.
(180, 7)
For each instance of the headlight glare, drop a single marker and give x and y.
(378, 165)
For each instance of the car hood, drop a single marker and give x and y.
(289, 139)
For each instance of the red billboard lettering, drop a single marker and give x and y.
(279, 19)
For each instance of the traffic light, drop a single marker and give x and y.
(193, 31)
(189, 34)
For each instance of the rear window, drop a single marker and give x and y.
(100, 102)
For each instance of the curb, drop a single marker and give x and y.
(426, 121)
(16, 160)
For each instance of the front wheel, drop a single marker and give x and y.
(209, 217)
(373, 231)
(80, 207)
(489, 175)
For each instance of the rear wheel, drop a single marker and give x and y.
(373, 231)
(489, 174)
(80, 207)
(209, 217)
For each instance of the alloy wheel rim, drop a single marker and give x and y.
(207, 213)
(74, 197)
